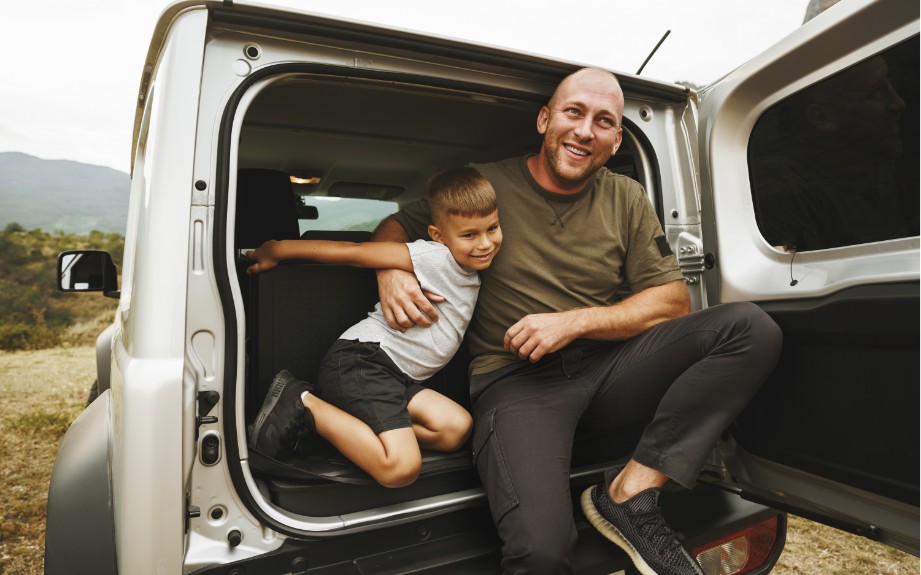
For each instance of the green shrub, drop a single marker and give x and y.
(33, 313)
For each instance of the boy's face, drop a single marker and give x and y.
(473, 241)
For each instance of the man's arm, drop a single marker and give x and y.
(403, 302)
(394, 255)
(536, 335)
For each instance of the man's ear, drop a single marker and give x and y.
(618, 140)
(435, 234)
(543, 118)
(822, 117)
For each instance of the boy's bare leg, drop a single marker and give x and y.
(440, 424)
(391, 458)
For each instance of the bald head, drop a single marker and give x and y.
(581, 125)
(591, 80)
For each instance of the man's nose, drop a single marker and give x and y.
(893, 100)
(584, 128)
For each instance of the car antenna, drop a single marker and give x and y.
(649, 57)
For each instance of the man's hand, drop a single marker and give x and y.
(536, 335)
(403, 303)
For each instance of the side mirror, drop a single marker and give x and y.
(87, 270)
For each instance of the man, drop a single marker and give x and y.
(552, 347)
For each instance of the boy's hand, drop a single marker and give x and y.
(264, 256)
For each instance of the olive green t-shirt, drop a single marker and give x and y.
(560, 252)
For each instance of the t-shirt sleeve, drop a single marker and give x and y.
(649, 260)
(415, 219)
(434, 267)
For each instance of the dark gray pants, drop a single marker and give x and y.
(689, 378)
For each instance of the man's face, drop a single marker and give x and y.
(581, 127)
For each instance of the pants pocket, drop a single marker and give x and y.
(491, 464)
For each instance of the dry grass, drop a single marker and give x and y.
(41, 392)
(816, 549)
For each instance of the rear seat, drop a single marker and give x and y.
(294, 313)
(297, 312)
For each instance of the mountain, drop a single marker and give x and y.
(61, 195)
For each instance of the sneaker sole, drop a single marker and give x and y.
(611, 533)
(275, 391)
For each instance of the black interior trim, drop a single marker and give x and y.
(842, 401)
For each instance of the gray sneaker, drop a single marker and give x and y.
(283, 422)
(637, 527)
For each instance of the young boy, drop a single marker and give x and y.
(369, 402)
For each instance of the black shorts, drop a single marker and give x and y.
(361, 379)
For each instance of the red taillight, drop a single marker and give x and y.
(739, 553)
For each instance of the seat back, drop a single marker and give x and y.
(266, 208)
(300, 310)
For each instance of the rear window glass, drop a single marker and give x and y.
(837, 164)
(343, 214)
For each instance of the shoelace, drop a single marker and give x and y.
(660, 535)
(294, 429)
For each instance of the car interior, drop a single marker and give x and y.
(325, 157)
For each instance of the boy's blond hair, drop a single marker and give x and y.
(460, 191)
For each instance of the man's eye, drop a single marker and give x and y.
(606, 122)
(572, 112)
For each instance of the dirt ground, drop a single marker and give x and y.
(41, 392)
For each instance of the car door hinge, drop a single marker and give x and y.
(692, 263)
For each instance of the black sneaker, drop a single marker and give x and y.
(283, 422)
(637, 527)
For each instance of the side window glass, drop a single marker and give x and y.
(837, 164)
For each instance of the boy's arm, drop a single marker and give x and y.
(390, 255)
(403, 302)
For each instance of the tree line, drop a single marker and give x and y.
(33, 313)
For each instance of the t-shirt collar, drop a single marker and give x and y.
(547, 194)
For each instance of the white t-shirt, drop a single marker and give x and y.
(421, 351)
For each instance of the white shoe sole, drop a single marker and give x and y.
(611, 533)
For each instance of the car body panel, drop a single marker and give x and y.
(152, 431)
(833, 433)
(74, 525)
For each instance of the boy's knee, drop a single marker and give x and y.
(457, 430)
(400, 472)
(454, 428)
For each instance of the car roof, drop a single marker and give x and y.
(289, 18)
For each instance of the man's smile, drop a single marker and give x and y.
(577, 151)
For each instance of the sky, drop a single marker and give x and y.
(69, 83)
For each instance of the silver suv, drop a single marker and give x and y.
(791, 183)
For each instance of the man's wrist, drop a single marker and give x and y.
(579, 322)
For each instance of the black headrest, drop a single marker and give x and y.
(266, 208)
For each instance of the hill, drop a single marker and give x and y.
(61, 195)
